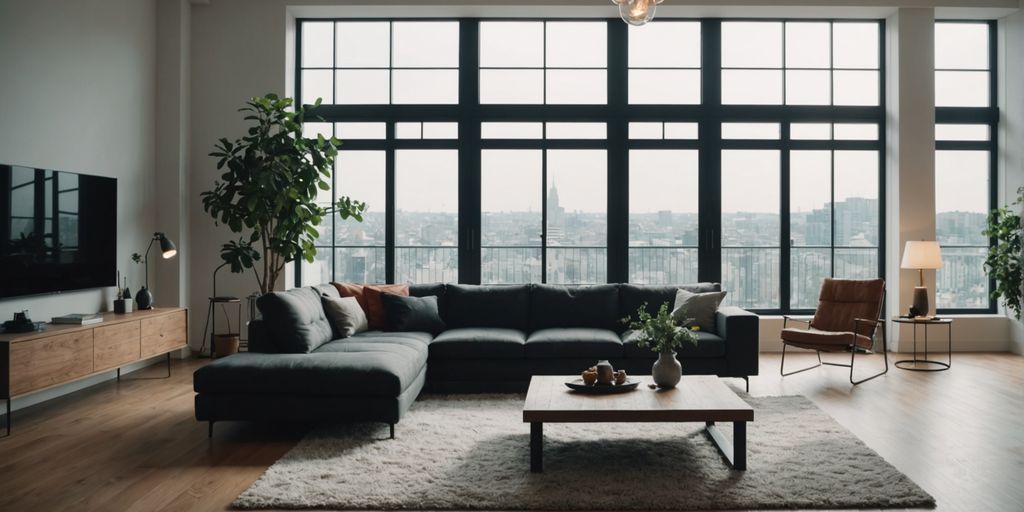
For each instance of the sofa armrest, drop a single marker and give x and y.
(259, 337)
(739, 328)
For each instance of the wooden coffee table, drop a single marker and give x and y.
(696, 398)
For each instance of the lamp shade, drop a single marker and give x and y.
(167, 248)
(922, 255)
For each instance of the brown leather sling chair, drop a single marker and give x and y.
(847, 318)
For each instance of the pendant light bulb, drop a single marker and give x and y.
(637, 12)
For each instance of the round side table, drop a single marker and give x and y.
(929, 365)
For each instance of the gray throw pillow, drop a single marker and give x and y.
(699, 308)
(412, 313)
(346, 316)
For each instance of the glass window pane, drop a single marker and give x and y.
(577, 44)
(961, 197)
(808, 87)
(362, 44)
(810, 225)
(364, 131)
(645, 130)
(426, 86)
(577, 130)
(978, 132)
(681, 131)
(751, 87)
(856, 198)
(511, 216)
(856, 263)
(426, 216)
(962, 282)
(429, 44)
(360, 175)
(317, 44)
(577, 218)
(961, 46)
(511, 44)
(961, 88)
(511, 86)
(856, 131)
(317, 83)
(808, 267)
(668, 44)
(359, 265)
(312, 130)
(664, 86)
(855, 88)
(750, 198)
(511, 130)
(363, 87)
(752, 44)
(440, 130)
(810, 131)
(756, 131)
(663, 216)
(408, 131)
(807, 45)
(577, 87)
(315, 272)
(855, 45)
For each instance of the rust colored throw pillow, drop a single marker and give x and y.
(375, 312)
(352, 290)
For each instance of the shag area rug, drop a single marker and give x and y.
(471, 452)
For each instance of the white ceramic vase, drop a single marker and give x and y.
(667, 371)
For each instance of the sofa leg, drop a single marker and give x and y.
(746, 381)
(209, 433)
(392, 425)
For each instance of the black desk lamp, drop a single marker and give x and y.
(144, 297)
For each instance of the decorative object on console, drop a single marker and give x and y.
(78, 319)
(123, 302)
(662, 335)
(921, 256)
(144, 297)
(22, 323)
(269, 188)
(1003, 263)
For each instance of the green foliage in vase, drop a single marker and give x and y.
(1005, 262)
(659, 332)
(268, 189)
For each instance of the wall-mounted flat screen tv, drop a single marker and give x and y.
(58, 231)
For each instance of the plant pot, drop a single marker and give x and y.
(667, 371)
(226, 344)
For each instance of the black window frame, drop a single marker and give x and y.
(988, 116)
(617, 113)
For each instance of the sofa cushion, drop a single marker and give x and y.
(709, 345)
(412, 313)
(697, 308)
(632, 296)
(295, 319)
(478, 343)
(345, 368)
(595, 307)
(569, 343)
(506, 307)
(345, 315)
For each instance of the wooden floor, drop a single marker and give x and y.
(135, 445)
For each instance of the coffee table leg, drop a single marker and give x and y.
(536, 447)
(739, 445)
(737, 453)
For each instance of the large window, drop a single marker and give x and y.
(588, 151)
(964, 161)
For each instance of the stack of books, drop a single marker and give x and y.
(78, 319)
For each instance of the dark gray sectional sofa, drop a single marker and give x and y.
(496, 338)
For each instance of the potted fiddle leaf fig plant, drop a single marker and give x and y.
(268, 190)
(1005, 261)
(663, 336)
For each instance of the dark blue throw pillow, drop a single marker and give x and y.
(418, 314)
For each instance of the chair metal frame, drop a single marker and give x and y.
(853, 348)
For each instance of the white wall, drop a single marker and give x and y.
(1011, 136)
(77, 94)
(77, 86)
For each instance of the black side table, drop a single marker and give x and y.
(929, 365)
